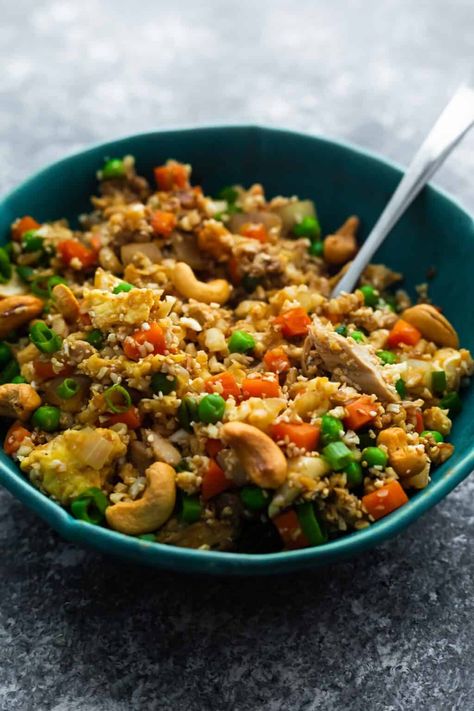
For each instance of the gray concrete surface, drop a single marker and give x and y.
(392, 630)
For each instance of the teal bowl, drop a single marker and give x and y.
(435, 233)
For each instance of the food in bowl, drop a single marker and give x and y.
(176, 369)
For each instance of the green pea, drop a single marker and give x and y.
(316, 249)
(371, 295)
(31, 241)
(46, 418)
(95, 338)
(150, 537)
(5, 353)
(113, 168)
(387, 357)
(358, 336)
(374, 457)
(354, 474)
(163, 383)
(437, 436)
(187, 413)
(308, 227)
(452, 402)
(331, 429)
(211, 408)
(10, 371)
(241, 342)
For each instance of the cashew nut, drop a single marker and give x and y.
(152, 510)
(432, 325)
(18, 400)
(342, 246)
(16, 311)
(185, 281)
(66, 302)
(407, 459)
(261, 458)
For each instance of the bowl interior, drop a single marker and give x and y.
(436, 235)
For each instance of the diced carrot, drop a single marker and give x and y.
(403, 332)
(214, 481)
(294, 322)
(276, 360)
(223, 384)
(290, 530)
(253, 230)
(260, 387)
(163, 223)
(360, 412)
(44, 369)
(213, 447)
(96, 242)
(24, 224)
(153, 335)
(14, 437)
(130, 417)
(171, 176)
(303, 435)
(419, 424)
(69, 249)
(383, 501)
(234, 272)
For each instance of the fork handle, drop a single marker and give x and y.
(456, 119)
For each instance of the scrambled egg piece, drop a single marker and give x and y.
(130, 308)
(74, 461)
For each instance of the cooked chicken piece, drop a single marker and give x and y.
(350, 362)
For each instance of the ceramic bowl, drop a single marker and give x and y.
(435, 234)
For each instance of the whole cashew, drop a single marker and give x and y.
(152, 510)
(261, 458)
(342, 246)
(432, 325)
(16, 311)
(407, 459)
(66, 302)
(18, 400)
(185, 281)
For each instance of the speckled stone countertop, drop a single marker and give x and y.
(392, 630)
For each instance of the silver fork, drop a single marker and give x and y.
(455, 121)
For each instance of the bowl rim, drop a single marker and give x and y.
(167, 556)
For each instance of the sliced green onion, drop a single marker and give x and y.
(5, 353)
(211, 408)
(241, 342)
(358, 336)
(400, 387)
(354, 474)
(95, 338)
(188, 413)
(337, 455)
(123, 286)
(117, 399)
(67, 389)
(341, 330)
(113, 168)
(438, 382)
(44, 338)
(10, 371)
(90, 506)
(18, 379)
(374, 457)
(46, 418)
(5, 266)
(229, 194)
(190, 509)
(253, 498)
(25, 273)
(309, 524)
(39, 287)
(331, 429)
(452, 402)
(31, 242)
(387, 357)
(163, 383)
(54, 281)
(150, 537)
(437, 436)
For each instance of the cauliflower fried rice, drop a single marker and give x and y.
(176, 369)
